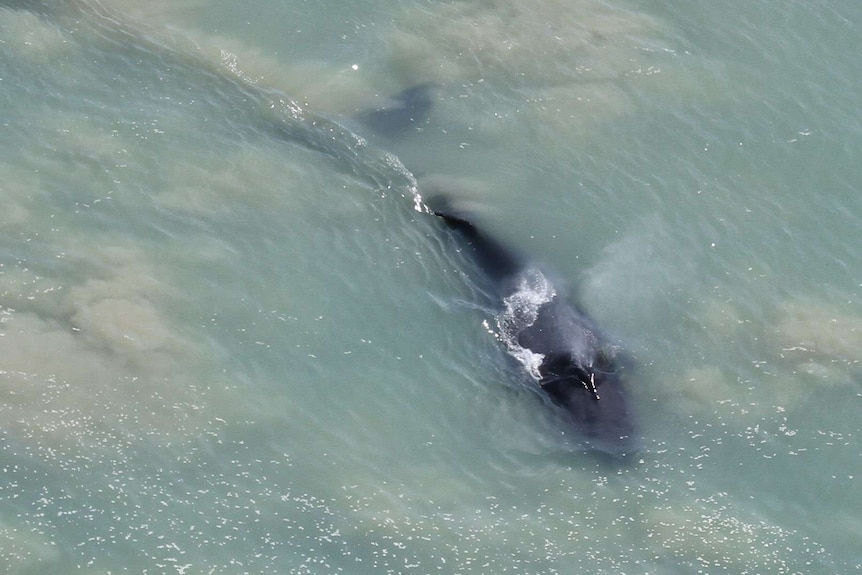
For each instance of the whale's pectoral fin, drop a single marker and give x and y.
(407, 110)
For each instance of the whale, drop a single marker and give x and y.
(573, 364)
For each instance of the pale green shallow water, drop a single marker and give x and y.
(230, 344)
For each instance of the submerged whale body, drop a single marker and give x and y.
(577, 369)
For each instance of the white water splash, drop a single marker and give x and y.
(396, 164)
(520, 310)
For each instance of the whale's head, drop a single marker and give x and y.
(594, 403)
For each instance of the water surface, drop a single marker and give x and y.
(231, 344)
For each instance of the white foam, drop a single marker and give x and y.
(396, 164)
(520, 311)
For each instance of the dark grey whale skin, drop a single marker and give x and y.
(580, 373)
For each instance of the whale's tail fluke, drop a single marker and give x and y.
(409, 109)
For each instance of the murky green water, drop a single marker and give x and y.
(230, 344)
